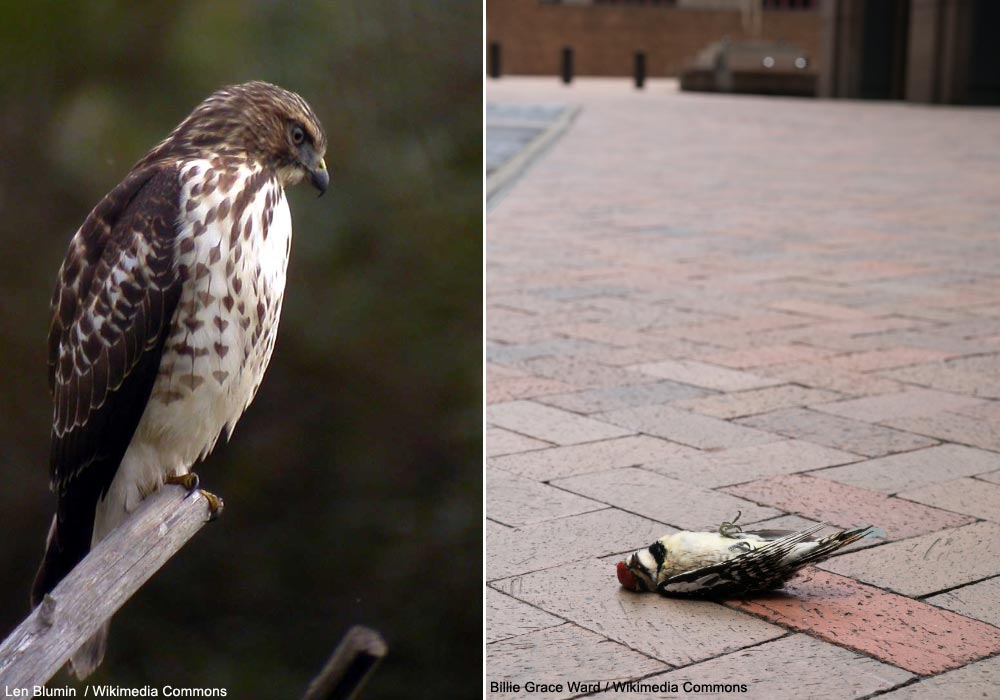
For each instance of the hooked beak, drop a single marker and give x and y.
(319, 177)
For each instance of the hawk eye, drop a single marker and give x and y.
(298, 135)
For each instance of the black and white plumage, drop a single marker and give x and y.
(729, 562)
(165, 312)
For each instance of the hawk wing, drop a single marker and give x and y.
(111, 313)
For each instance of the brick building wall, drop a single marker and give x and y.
(605, 37)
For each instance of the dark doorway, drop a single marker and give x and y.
(983, 87)
(885, 26)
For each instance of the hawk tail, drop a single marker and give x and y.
(68, 543)
(89, 656)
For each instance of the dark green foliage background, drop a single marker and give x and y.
(353, 484)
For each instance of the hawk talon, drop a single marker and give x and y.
(730, 528)
(189, 481)
(215, 504)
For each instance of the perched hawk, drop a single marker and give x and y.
(165, 313)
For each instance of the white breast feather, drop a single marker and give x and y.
(214, 361)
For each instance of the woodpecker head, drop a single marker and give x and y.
(629, 580)
(640, 569)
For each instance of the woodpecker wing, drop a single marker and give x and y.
(757, 570)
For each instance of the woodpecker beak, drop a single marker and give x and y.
(319, 177)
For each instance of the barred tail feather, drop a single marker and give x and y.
(830, 544)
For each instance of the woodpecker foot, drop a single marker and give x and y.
(730, 528)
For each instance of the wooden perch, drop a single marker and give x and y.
(352, 661)
(100, 585)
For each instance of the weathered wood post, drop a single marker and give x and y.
(99, 585)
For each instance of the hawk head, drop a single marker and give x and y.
(264, 122)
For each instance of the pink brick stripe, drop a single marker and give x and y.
(847, 506)
(893, 628)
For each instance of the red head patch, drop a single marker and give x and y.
(627, 578)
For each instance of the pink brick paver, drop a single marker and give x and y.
(847, 506)
(797, 666)
(697, 304)
(893, 628)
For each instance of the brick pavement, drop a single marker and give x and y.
(700, 304)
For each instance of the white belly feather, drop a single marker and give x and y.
(224, 330)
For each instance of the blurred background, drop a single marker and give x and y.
(353, 483)
(930, 51)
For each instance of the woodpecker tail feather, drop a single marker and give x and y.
(830, 544)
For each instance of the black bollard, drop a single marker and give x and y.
(567, 65)
(640, 69)
(494, 59)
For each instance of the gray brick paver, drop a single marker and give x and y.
(797, 666)
(672, 630)
(911, 470)
(664, 499)
(837, 432)
(671, 243)
(928, 563)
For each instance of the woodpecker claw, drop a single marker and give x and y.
(730, 528)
